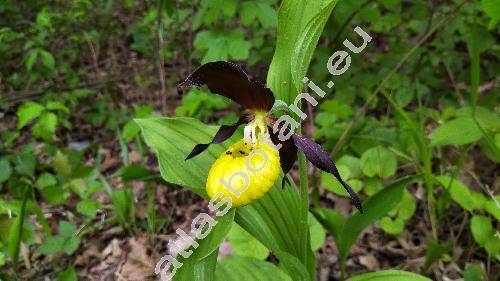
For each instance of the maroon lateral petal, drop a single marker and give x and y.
(224, 132)
(229, 80)
(288, 151)
(320, 158)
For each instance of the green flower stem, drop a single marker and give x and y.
(304, 198)
(426, 153)
(315, 197)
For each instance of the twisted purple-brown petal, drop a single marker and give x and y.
(229, 80)
(224, 132)
(288, 153)
(320, 158)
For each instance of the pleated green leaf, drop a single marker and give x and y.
(307, 41)
(300, 24)
(237, 268)
(200, 266)
(273, 219)
(346, 231)
(389, 275)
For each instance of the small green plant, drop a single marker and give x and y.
(66, 240)
(47, 118)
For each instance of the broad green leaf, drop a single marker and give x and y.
(66, 240)
(492, 246)
(481, 229)
(373, 185)
(463, 130)
(331, 183)
(68, 275)
(491, 149)
(243, 244)
(297, 19)
(389, 275)
(331, 220)
(88, 207)
(346, 231)
(219, 45)
(378, 161)
(238, 47)
(493, 207)
(492, 9)
(56, 105)
(353, 163)
(43, 19)
(47, 60)
(407, 206)
(55, 194)
(474, 273)
(317, 233)
(487, 119)
(267, 15)
(292, 266)
(135, 172)
(375, 208)
(45, 180)
(248, 12)
(5, 170)
(26, 163)
(200, 266)
(229, 7)
(2, 259)
(46, 126)
(273, 219)
(61, 164)
(307, 41)
(31, 59)
(172, 139)
(435, 251)
(51, 245)
(27, 112)
(237, 268)
(130, 130)
(458, 192)
(68, 232)
(392, 226)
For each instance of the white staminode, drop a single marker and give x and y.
(256, 132)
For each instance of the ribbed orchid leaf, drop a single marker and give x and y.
(238, 268)
(229, 80)
(389, 275)
(201, 264)
(300, 24)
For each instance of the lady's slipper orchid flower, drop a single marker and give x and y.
(249, 168)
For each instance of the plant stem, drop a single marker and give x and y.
(342, 270)
(303, 182)
(428, 175)
(304, 199)
(315, 192)
(429, 188)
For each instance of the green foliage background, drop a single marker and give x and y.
(403, 125)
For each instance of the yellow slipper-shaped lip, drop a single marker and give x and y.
(243, 175)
